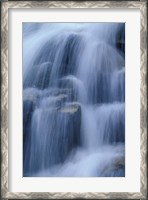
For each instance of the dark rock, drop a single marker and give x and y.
(69, 59)
(116, 168)
(59, 130)
(120, 44)
(73, 112)
(28, 108)
(68, 129)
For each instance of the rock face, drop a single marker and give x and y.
(117, 169)
(120, 40)
(67, 129)
(117, 165)
(28, 108)
(61, 122)
(73, 113)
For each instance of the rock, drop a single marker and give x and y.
(71, 108)
(58, 133)
(28, 108)
(116, 168)
(71, 114)
(53, 102)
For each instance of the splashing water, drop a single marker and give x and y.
(73, 99)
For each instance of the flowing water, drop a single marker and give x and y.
(73, 99)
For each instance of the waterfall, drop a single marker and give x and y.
(74, 99)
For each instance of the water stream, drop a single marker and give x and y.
(74, 99)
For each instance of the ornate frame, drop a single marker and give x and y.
(142, 5)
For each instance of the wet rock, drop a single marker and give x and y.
(53, 102)
(69, 58)
(28, 108)
(71, 108)
(69, 129)
(116, 168)
(69, 122)
(59, 130)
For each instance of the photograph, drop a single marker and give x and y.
(73, 99)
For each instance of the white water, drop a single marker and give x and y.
(74, 93)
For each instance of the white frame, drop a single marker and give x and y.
(6, 6)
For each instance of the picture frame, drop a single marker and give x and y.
(5, 101)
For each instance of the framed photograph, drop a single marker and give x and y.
(74, 100)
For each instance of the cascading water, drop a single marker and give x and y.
(73, 99)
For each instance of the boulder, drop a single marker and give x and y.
(69, 128)
(28, 108)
